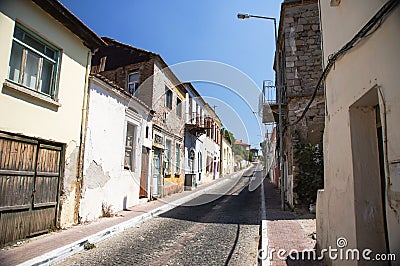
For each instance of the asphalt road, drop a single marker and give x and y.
(217, 228)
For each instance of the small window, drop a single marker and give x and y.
(133, 82)
(178, 158)
(168, 98)
(178, 107)
(33, 62)
(147, 132)
(130, 147)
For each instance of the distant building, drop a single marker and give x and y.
(254, 153)
(244, 146)
(227, 157)
(241, 154)
(211, 145)
(269, 152)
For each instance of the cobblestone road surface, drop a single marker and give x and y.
(224, 231)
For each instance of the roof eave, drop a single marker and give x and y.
(59, 12)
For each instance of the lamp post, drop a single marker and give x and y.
(279, 90)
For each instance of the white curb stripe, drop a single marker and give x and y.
(265, 260)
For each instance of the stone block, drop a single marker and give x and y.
(299, 28)
(291, 58)
(289, 64)
(288, 20)
(311, 41)
(315, 27)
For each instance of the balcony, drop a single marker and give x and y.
(269, 103)
(195, 128)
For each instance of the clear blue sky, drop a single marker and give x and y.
(181, 30)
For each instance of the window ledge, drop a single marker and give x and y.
(38, 96)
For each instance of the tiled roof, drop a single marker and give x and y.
(237, 142)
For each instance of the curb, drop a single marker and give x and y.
(263, 251)
(77, 246)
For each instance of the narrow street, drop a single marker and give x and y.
(224, 231)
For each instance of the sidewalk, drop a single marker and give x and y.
(287, 231)
(51, 247)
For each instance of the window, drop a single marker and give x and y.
(147, 132)
(168, 157)
(133, 82)
(178, 158)
(178, 107)
(33, 62)
(168, 98)
(209, 165)
(130, 147)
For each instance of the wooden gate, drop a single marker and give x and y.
(29, 186)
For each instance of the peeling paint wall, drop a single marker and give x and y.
(361, 79)
(69, 187)
(104, 178)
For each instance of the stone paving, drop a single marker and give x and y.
(288, 231)
(33, 247)
(224, 231)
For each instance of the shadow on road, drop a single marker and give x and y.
(241, 207)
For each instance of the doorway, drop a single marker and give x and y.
(369, 174)
(144, 172)
(156, 172)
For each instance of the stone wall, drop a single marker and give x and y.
(300, 47)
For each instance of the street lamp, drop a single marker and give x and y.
(279, 88)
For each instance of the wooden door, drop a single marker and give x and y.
(29, 186)
(144, 173)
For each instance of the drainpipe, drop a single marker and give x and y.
(84, 118)
(221, 162)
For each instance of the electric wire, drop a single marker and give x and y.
(372, 25)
